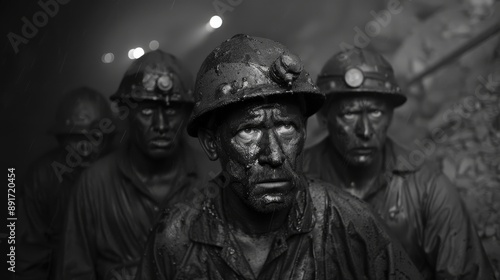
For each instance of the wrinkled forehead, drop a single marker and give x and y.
(179, 107)
(277, 108)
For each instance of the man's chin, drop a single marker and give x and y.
(272, 202)
(159, 154)
(360, 161)
(270, 208)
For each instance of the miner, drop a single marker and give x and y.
(261, 218)
(421, 208)
(117, 200)
(44, 197)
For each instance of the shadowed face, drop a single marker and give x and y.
(260, 148)
(157, 128)
(89, 147)
(358, 128)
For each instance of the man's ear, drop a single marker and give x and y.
(123, 110)
(208, 143)
(322, 118)
(323, 113)
(390, 114)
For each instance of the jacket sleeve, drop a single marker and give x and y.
(155, 262)
(450, 239)
(34, 244)
(357, 240)
(393, 263)
(78, 246)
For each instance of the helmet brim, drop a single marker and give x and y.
(395, 100)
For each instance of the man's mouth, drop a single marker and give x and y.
(273, 191)
(273, 184)
(363, 151)
(160, 142)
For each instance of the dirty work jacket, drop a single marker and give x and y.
(328, 235)
(422, 209)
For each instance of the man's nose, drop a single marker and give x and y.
(364, 129)
(160, 121)
(271, 152)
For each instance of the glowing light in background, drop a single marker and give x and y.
(108, 57)
(215, 22)
(198, 36)
(154, 45)
(131, 54)
(135, 53)
(138, 52)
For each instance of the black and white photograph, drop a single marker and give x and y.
(250, 139)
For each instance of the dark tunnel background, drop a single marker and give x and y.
(66, 52)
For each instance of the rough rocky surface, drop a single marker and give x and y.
(470, 157)
(456, 110)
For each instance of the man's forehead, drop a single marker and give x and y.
(281, 109)
(361, 102)
(159, 103)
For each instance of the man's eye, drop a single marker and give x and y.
(248, 134)
(376, 114)
(147, 111)
(348, 116)
(285, 129)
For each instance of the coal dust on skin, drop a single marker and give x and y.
(263, 154)
(260, 148)
(361, 125)
(360, 128)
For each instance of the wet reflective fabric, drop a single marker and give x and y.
(329, 235)
(422, 209)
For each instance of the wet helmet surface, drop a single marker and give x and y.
(156, 76)
(362, 72)
(246, 67)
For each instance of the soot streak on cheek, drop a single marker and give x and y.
(292, 148)
(236, 170)
(253, 150)
(244, 151)
(343, 131)
(239, 155)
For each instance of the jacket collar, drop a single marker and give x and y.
(397, 159)
(210, 228)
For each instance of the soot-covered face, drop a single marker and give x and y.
(260, 148)
(358, 128)
(156, 128)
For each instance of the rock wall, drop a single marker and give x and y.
(453, 115)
